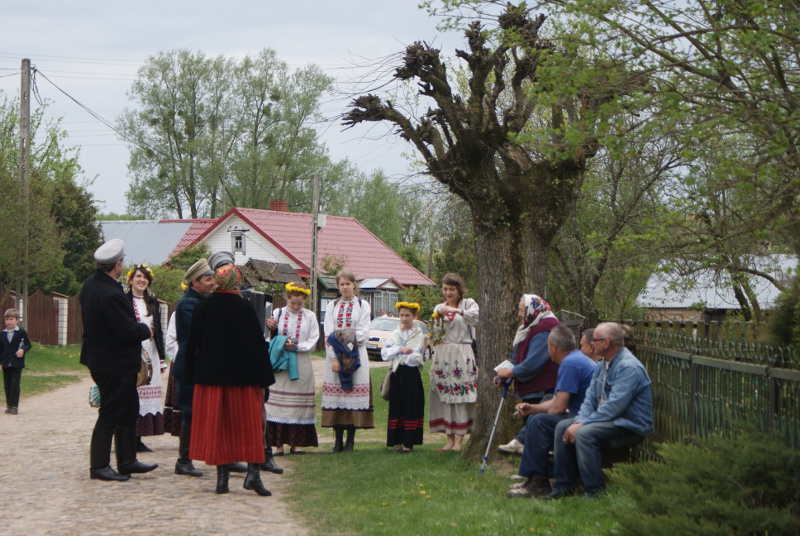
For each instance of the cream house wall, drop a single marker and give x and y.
(255, 245)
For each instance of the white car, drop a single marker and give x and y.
(380, 329)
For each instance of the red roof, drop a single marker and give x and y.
(197, 229)
(365, 255)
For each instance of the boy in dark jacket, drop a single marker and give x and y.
(14, 344)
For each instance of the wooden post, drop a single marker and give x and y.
(314, 245)
(24, 181)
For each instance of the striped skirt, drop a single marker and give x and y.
(227, 424)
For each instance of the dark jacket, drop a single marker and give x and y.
(183, 319)
(8, 350)
(112, 339)
(158, 333)
(544, 369)
(226, 345)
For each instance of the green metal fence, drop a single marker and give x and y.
(695, 395)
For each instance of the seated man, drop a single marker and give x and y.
(574, 376)
(616, 412)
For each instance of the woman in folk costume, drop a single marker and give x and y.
(534, 373)
(146, 308)
(227, 360)
(290, 410)
(454, 371)
(346, 394)
(405, 349)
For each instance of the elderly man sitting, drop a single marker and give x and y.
(574, 376)
(616, 412)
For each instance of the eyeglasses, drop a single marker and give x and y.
(598, 340)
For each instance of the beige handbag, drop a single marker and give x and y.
(145, 371)
(385, 384)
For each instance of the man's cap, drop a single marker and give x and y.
(111, 252)
(220, 258)
(198, 269)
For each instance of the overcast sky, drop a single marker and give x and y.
(92, 51)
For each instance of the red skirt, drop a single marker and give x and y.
(227, 424)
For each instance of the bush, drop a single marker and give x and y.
(744, 486)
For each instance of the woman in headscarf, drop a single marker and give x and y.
(534, 373)
(227, 359)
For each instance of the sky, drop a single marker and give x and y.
(92, 51)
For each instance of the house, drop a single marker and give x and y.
(708, 293)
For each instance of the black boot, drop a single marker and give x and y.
(125, 445)
(237, 467)
(141, 447)
(100, 456)
(222, 479)
(269, 461)
(351, 439)
(338, 446)
(253, 480)
(184, 464)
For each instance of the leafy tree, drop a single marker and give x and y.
(211, 133)
(376, 205)
(514, 148)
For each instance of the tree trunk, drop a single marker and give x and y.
(511, 263)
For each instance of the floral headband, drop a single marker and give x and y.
(407, 305)
(141, 267)
(290, 287)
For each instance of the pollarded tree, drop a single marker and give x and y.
(514, 147)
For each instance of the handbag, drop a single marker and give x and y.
(385, 384)
(145, 370)
(94, 396)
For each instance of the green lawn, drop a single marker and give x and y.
(375, 491)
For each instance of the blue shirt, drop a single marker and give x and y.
(574, 376)
(535, 359)
(620, 392)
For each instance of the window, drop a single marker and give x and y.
(237, 242)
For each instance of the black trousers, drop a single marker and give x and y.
(119, 401)
(185, 400)
(11, 377)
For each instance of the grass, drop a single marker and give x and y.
(49, 367)
(375, 491)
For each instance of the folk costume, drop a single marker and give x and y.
(454, 371)
(227, 361)
(352, 408)
(291, 416)
(151, 406)
(406, 395)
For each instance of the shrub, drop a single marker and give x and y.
(743, 486)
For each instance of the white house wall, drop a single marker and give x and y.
(256, 246)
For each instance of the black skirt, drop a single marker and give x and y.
(406, 408)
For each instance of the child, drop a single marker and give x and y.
(14, 344)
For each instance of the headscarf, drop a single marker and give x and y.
(536, 308)
(227, 277)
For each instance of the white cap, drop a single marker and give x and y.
(111, 252)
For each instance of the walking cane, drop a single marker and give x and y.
(494, 426)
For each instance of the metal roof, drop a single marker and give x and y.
(713, 288)
(146, 241)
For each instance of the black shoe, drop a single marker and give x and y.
(222, 479)
(184, 464)
(351, 439)
(338, 446)
(558, 494)
(186, 468)
(13, 411)
(278, 454)
(141, 447)
(253, 481)
(125, 445)
(535, 486)
(269, 463)
(107, 474)
(237, 467)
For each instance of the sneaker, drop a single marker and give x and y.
(535, 486)
(512, 447)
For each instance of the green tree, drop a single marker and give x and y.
(376, 205)
(514, 148)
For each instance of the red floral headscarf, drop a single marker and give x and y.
(227, 278)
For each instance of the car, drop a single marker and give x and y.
(381, 328)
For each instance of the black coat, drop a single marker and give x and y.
(158, 333)
(8, 350)
(226, 345)
(183, 320)
(112, 339)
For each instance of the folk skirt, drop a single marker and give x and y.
(406, 408)
(227, 424)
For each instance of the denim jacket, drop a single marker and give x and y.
(621, 394)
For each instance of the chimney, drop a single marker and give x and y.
(279, 205)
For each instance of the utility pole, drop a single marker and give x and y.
(24, 180)
(314, 244)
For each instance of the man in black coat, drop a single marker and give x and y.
(112, 351)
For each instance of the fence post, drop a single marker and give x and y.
(693, 391)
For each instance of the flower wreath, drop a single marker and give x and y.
(143, 267)
(407, 305)
(290, 287)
